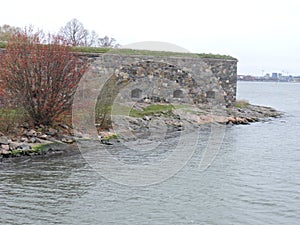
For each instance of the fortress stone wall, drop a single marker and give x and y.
(170, 78)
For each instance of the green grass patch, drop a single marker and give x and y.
(15, 152)
(113, 136)
(149, 110)
(36, 148)
(39, 147)
(20, 151)
(241, 103)
(90, 49)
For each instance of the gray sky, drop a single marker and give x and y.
(262, 34)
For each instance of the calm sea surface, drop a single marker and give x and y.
(255, 179)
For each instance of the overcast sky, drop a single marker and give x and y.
(264, 35)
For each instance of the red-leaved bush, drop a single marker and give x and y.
(42, 73)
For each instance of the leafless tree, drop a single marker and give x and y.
(75, 33)
(92, 39)
(108, 42)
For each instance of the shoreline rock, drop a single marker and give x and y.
(33, 142)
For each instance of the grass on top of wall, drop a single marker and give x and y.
(123, 51)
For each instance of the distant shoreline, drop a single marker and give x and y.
(261, 81)
(281, 79)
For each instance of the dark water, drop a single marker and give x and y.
(255, 179)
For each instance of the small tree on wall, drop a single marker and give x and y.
(42, 73)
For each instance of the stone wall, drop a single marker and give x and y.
(171, 79)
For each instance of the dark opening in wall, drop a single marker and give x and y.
(178, 94)
(210, 94)
(136, 93)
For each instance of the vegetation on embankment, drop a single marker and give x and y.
(149, 109)
(124, 51)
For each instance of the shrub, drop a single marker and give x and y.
(42, 73)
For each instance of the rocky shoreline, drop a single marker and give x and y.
(39, 141)
(35, 141)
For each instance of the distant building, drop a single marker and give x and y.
(275, 76)
(267, 76)
(297, 79)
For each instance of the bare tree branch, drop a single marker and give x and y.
(108, 42)
(75, 33)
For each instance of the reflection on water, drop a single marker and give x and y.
(254, 180)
